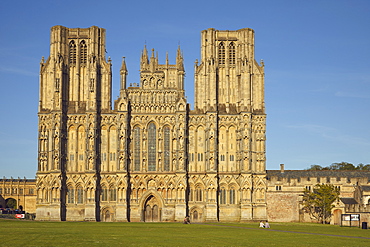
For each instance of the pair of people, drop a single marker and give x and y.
(264, 225)
(186, 220)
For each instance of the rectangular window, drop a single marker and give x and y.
(30, 191)
(222, 196)
(113, 195)
(278, 187)
(232, 196)
(200, 157)
(21, 191)
(231, 157)
(70, 195)
(80, 195)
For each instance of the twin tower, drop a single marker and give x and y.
(149, 157)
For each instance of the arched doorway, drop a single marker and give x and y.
(151, 210)
(337, 216)
(107, 215)
(196, 215)
(11, 203)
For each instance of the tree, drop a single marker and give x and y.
(315, 168)
(363, 167)
(318, 203)
(342, 166)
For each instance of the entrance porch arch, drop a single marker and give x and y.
(107, 215)
(196, 214)
(151, 207)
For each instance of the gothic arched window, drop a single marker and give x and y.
(221, 53)
(232, 195)
(70, 194)
(137, 149)
(79, 193)
(112, 194)
(83, 52)
(166, 148)
(198, 194)
(232, 53)
(222, 195)
(72, 53)
(152, 150)
(104, 193)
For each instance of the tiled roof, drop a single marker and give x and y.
(323, 173)
(365, 188)
(348, 200)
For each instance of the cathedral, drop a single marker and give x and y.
(149, 157)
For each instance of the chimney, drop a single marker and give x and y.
(282, 168)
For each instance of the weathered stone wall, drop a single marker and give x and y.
(282, 206)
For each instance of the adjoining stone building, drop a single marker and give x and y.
(21, 190)
(151, 158)
(285, 192)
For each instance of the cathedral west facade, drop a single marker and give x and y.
(149, 157)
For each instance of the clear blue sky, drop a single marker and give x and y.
(316, 54)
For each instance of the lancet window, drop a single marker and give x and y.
(232, 195)
(112, 194)
(198, 194)
(222, 195)
(221, 53)
(70, 194)
(83, 52)
(136, 149)
(72, 53)
(152, 150)
(166, 148)
(104, 193)
(79, 194)
(231, 53)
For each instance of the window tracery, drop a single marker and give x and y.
(232, 195)
(222, 195)
(70, 194)
(83, 52)
(198, 194)
(166, 148)
(72, 53)
(152, 147)
(104, 193)
(136, 149)
(79, 195)
(232, 53)
(221, 53)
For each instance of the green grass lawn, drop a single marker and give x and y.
(35, 233)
